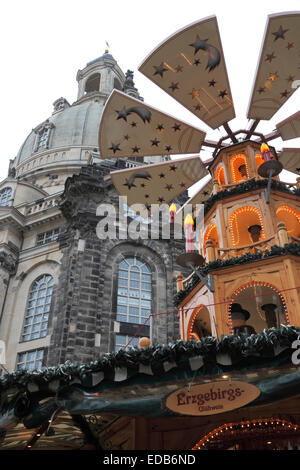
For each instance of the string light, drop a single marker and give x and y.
(211, 233)
(234, 218)
(249, 426)
(235, 162)
(220, 175)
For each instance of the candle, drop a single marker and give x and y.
(265, 152)
(189, 234)
(172, 213)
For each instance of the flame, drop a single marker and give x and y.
(264, 147)
(189, 220)
(172, 207)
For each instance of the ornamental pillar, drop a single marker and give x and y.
(282, 233)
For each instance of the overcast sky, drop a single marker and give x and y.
(43, 44)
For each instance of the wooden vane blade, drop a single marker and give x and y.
(278, 66)
(159, 183)
(190, 67)
(290, 159)
(130, 128)
(200, 195)
(290, 127)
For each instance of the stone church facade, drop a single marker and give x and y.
(66, 294)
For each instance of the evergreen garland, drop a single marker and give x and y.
(245, 187)
(240, 348)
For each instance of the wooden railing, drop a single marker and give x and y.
(261, 245)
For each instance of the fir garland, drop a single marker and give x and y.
(240, 348)
(245, 187)
(288, 248)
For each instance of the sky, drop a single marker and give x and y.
(43, 44)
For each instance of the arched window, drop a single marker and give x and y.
(43, 138)
(239, 168)
(5, 197)
(134, 291)
(220, 175)
(199, 325)
(246, 226)
(37, 309)
(212, 234)
(93, 83)
(291, 218)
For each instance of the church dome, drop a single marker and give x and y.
(74, 126)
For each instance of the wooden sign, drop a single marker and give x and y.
(211, 398)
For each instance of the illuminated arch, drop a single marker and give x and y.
(252, 299)
(199, 323)
(233, 432)
(291, 219)
(240, 221)
(220, 175)
(236, 162)
(259, 159)
(212, 234)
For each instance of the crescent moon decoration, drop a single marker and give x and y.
(143, 113)
(139, 174)
(214, 56)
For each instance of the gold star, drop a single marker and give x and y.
(194, 93)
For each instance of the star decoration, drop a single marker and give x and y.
(176, 127)
(173, 168)
(179, 68)
(298, 170)
(182, 185)
(284, 94)
(154, 142)
(197, 62)
(198, 44)
(290, 45)
(129, 184)
(174, 86)
(197, 107)
(223, 93)
(168, 148)
(160, 128)
(290, 79)
(122, 114)
(262, 89)
(126, 137)
(194, 93)
(114, 147)
(136, 149)
(143, 185)
(280, 33)
(205, 193)
(146, 196)
(212, 83)
(133, 124)
(169, 187)
(160, 70)
(160, 200)
(270, 57)
(273, 76)
(162, 175)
